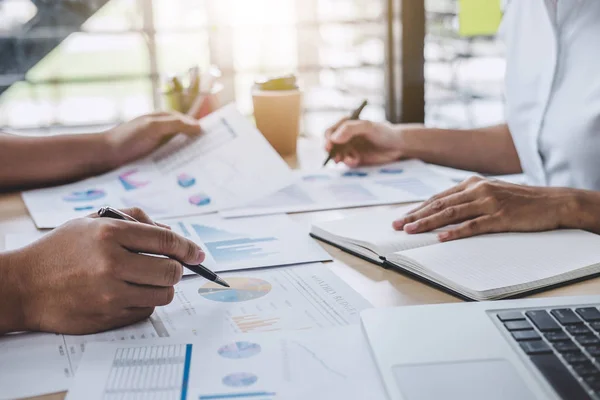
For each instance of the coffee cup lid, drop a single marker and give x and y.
(285, 82)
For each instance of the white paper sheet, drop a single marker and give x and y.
(291, 298)
(235, 244)
(401, 182)
(326, 364)
(230, 163)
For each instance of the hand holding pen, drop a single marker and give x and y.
(95, 274)
(335, 149)
(108, 212)
(358, 142)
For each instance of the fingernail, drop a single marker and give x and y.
(200, 256)
(397, 225)
(444, 236)
(411, 228)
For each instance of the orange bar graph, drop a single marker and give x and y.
(249, 323)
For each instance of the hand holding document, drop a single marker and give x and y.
(228, 164)
(276, 365)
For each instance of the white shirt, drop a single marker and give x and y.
(553, 89)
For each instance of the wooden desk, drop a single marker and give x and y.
(381, 287)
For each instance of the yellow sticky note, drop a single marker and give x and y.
(479, 17)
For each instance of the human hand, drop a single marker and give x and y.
(365, 142)
(88, 276)
(139, 137)
(481, 206)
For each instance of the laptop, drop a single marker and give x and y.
(513, 349)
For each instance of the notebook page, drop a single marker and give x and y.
(375, 228)
(501, 260)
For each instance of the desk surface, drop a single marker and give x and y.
(381, 287)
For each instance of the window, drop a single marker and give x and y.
(76, 63)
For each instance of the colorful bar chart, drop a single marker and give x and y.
(253, 323)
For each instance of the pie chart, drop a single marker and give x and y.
(242, 289)
(199, 200)
(236, 350)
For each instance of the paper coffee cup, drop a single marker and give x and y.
(277, 114)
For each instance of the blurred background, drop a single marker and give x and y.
(84, 64)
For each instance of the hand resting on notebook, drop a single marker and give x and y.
(481, 206)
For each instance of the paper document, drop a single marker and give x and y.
(235, 244)
(290, 298)
(402, 182)
(230, 163)
(325, 364)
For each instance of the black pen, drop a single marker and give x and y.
(355, 115)
(109, 212)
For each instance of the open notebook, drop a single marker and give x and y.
(484, 267)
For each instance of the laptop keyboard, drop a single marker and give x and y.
(563, 343)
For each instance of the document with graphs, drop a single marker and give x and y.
(326, 189)
(301, 297)
(228, 164)
(268, 366)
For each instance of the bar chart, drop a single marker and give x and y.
(229, 247)
(159, 372)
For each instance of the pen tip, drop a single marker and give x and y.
(222, 282)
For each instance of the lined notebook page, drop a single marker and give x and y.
(500, 260)
(376, 228)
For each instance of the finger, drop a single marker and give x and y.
(437, 206)
(351, 129)
(148, 296)
(473, 227)
(330, 131)
(135, 212)
(163, 225)
(448, 216)
(454, 189)
(139, 214)
(148, 270)
(150, 239)
(352, 158)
